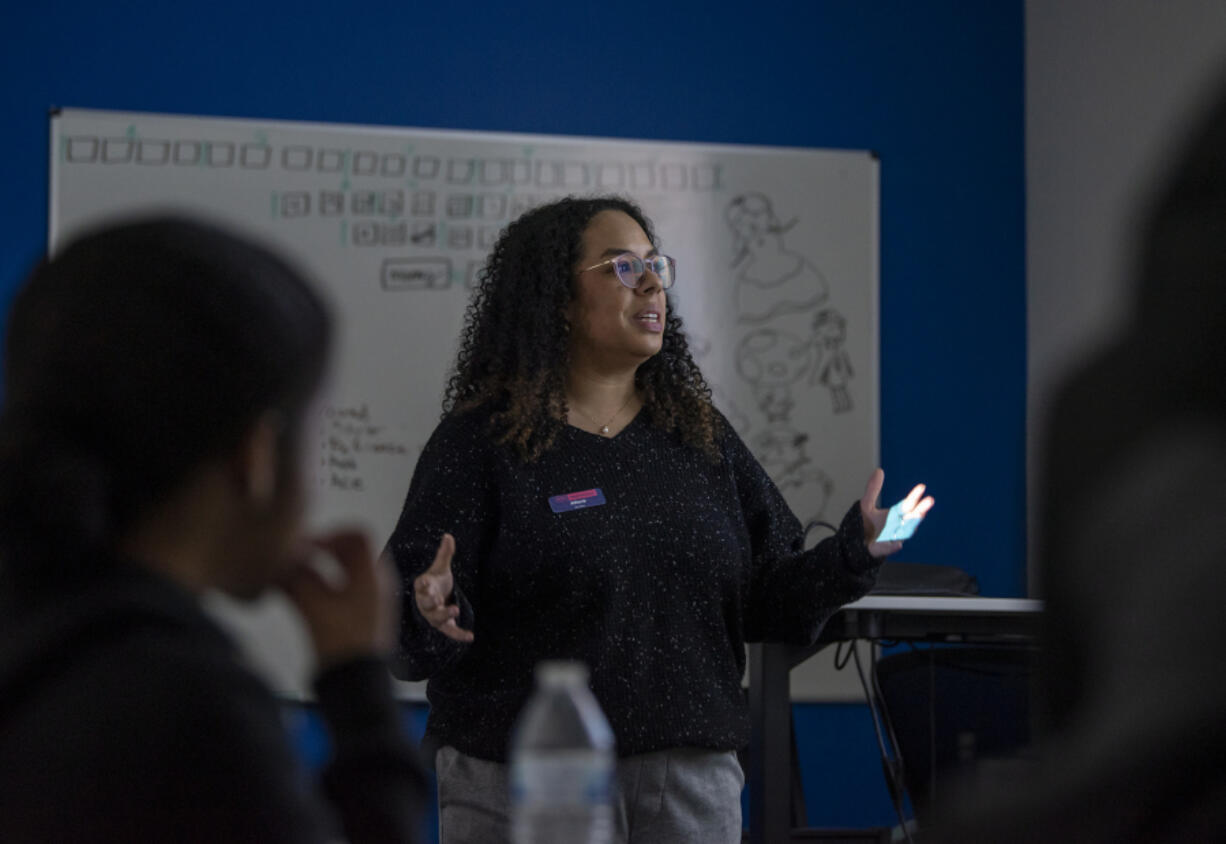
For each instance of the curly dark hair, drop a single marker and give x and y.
(515, 350)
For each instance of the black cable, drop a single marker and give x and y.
(816, 523)
(840, 662)
(888, 765)
(893, 736)
(932, 731)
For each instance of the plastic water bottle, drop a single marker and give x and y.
(562, 762)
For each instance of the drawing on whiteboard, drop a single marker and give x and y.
(424, 233)
(700, 349)
(781, 451)
(189, 152)
(459, 237)
(389, 264)
(399, 274)
(331, 203)
(255, 156)
(351, 442)
(775, 284)
(460, 170)
(834, 369)
(772, 361)
(365, 163)
(459, 205)
(775, 362)
(493, 206)
(771, 279)
(423, 204)
(153, 152)
(425, 167)
(395, 234)
(391, 203)
(295, 203)
(522, 203)
(793, 340)
(393, 166)
(219, 153)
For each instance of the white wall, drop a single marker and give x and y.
(1110, 87)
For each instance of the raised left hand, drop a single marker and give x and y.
(913, 506)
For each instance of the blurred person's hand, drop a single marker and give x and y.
(352, 610)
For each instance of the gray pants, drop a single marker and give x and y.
(684, 796)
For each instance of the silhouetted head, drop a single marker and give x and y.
(137, 354)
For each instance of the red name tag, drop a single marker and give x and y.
(576, 500)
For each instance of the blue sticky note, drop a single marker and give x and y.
(569, 501)
(896, 527)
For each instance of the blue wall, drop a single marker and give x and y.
(935, 88)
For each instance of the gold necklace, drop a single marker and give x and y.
(604, 429)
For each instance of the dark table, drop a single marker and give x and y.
(900, 618)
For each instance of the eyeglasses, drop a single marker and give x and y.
(630, 268)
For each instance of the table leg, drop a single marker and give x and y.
(770, 745)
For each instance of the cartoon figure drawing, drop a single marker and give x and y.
(771, 279)
(834, 370)
(700, 348)
(772, 361)
(781, 451)
(794, 339)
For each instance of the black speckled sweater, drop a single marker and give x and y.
(657, 589)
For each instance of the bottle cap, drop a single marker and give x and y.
(555, 673)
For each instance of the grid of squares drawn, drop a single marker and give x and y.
(458, 209)
(457, 215)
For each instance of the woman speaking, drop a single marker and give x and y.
(592, 504)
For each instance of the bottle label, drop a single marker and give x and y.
(561, 778)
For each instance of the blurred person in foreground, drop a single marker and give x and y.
(157, 378)
(1133, 695)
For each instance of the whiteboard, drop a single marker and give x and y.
(777, 281)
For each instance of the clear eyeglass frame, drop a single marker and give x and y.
(630, 269)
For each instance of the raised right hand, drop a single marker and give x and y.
(433, 590)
